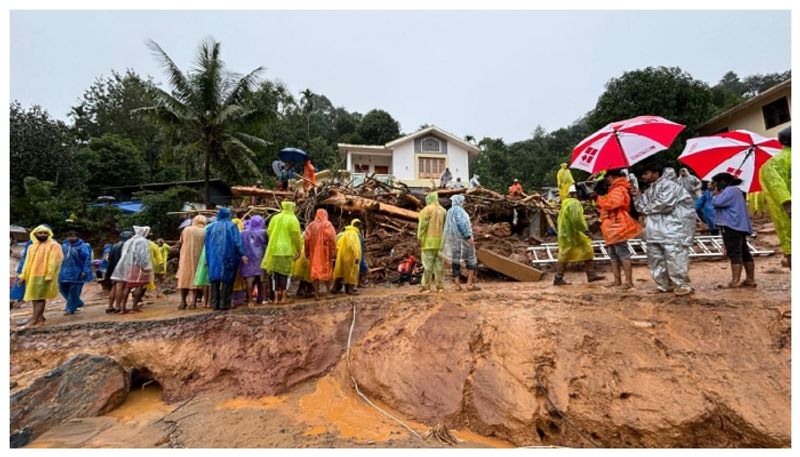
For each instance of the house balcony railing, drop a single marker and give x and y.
(359, 178)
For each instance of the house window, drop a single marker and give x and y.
(430, 168)
(361, 168)
(381, 169)
(776, 113)
(431, 145)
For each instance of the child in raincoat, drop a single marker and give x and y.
(40, 271)
(348, 258)
(283, 248)
(430, 230)
(573, 244)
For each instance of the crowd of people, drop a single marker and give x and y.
(232, 262)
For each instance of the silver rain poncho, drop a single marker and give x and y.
(457, 232)
(134, 264)
(690, 182)
(669, 230)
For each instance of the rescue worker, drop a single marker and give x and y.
(191, 242)
(564, 180)
(320, 248)
(669, 229)
(283, 248)
(309, 175)
(731, 216)
(459, 244)
(618, 226)
(254, 239)
(76, 269)
(348, 258)
(775, 177)
(573, 244)
(690, 182)
(429, 233)
(40, 271)
(224, 251)
(516, 189)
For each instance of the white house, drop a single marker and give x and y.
(417, 160)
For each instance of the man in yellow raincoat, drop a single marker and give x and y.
(157, 260)
(40, 272)
(776, 184)
(430, 233)
(564, 179)
(573, 244)
(348, 259)
(283, 248)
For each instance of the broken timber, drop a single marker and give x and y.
(360, 204)
(508, 267)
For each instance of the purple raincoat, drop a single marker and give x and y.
(254, 238)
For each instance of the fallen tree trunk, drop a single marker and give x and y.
(246, 191)
(365, 205)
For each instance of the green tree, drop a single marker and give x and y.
(378, 127)
(206, 113)
(493, 164)
(156, 205)
(661, 91)
(112, 161)
(755, 84)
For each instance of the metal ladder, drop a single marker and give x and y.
(703, 248)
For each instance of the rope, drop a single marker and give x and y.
(355, 384)
(543, 390)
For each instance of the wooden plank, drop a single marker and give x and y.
(508, 267)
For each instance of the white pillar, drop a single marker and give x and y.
(349, 161)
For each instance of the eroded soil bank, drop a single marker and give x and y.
(513, 364)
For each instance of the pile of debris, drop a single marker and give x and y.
(502, 225)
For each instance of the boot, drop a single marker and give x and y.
(559, 281)
(750, 272)
(736, 275)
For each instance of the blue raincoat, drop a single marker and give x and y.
(224, 248)
(705, 210)
(77, 261)
(18, 290)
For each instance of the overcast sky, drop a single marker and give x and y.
(497, 74)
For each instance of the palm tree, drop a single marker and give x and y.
(307, 100)
(206, 110)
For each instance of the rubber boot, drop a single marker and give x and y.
(559, 279)
(750, 272)
(736, 276)
(591, 275)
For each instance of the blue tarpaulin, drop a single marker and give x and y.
(133, 206)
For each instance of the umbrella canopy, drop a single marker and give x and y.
(739, 152)
(622, 144)
(294, 155)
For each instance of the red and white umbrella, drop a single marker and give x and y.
(738, 152)
(622, 144)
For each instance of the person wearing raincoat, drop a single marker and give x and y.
(116, 289)
(301, 270)
(283, 248)
(254, 239)
(17, 292)
(224, 251)
(573, 244)
(309, 175)
(705, 210)
(40, 271)
(775, 177)
(669, 229)
(690, 182)
(191, 242)
(320, 248)
(429, 233)
(163, 249)
(348, 258)
(135, 268)
(618, 226)
(76, 269)
(459, 245)
(564, 180)
(363, 269)
(157, 260)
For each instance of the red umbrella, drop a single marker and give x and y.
(739, 152)
(622, 144)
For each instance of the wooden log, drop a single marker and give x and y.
(450, 192)
(239, 191)
(364, 205)
(508, 267)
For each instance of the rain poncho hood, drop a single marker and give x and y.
(564, 180)
(320, 246)
(457, 230)
(668, 210)
(223, 244)
(690, 182)
(254, 239)
(776, 184)
(134, 264)
(192, 242)
(431, 223)
(616, 222)
(41, 268)
(348, 256)
(285, 240)
(573, 244)
(77, 261)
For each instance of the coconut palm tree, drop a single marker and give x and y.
(206, 110)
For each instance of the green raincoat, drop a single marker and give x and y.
(430, 229)
(284, 242)
(776, 184)
(573, 244)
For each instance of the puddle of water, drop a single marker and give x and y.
(471, 437)
(266, 402)
(141, 405)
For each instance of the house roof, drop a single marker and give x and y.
(471, 148)
(748, 103)
(168, 184)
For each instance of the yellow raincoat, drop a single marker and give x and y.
(158, 264)
(164, 248)
(348, 256)
(776, 184)
(573, 244)
(42, 266)
(302, 268)
(564, 179)
(430, 229)
(284, 241)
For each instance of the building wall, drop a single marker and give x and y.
(403, 161)
(751, 118)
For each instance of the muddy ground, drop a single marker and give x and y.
(511, 365)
